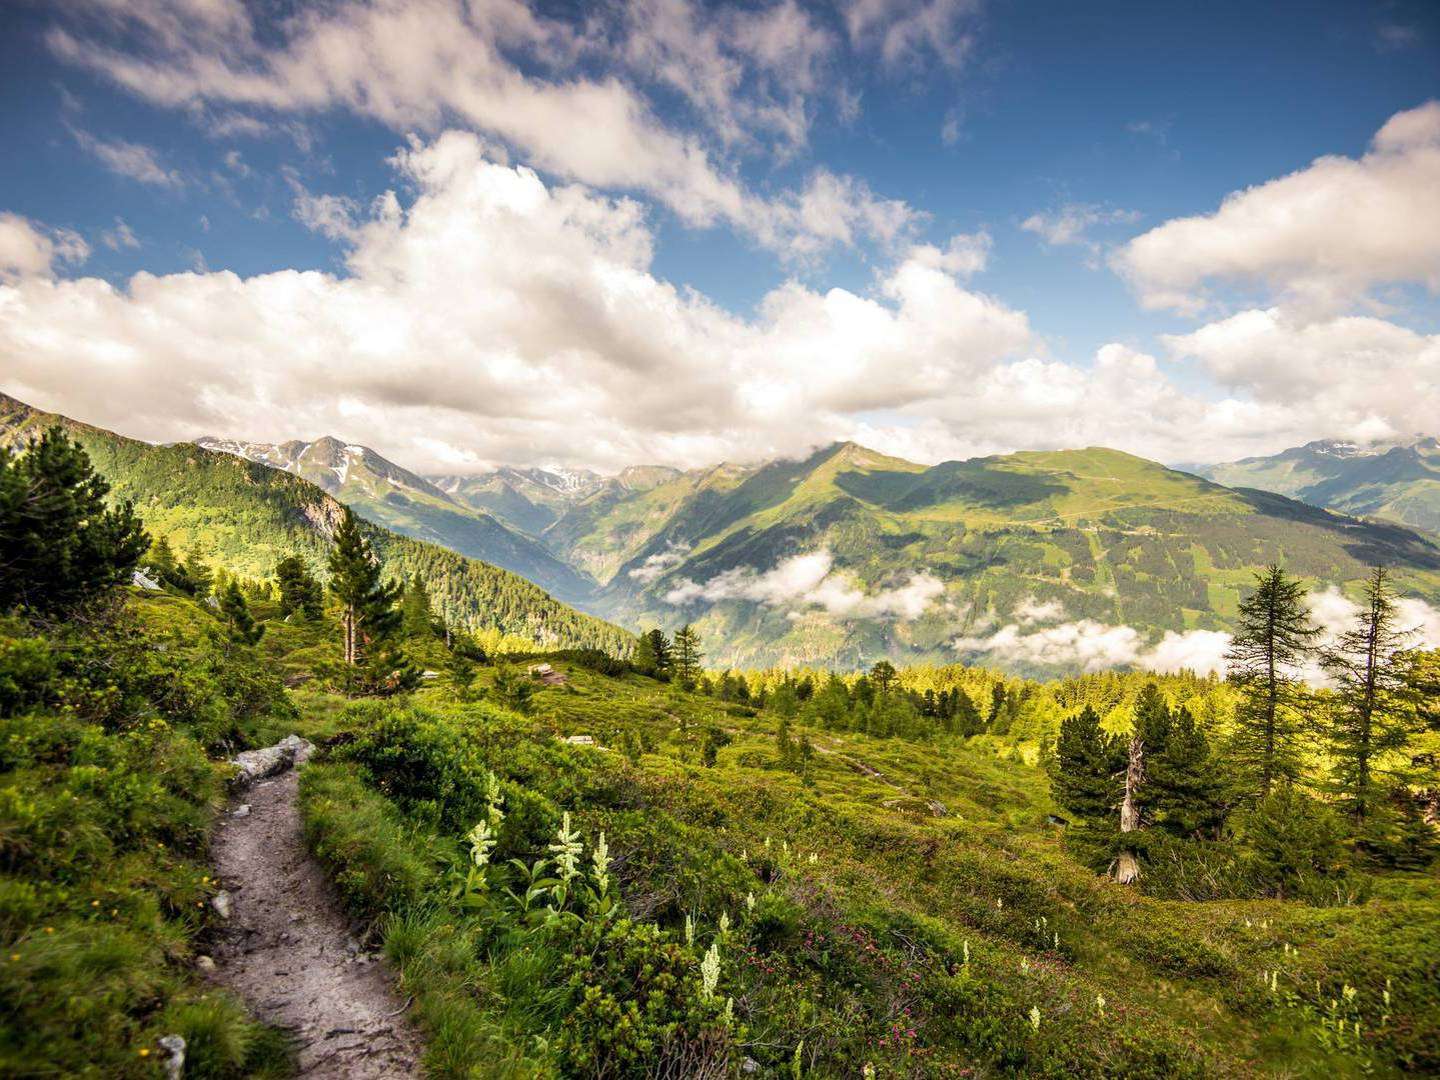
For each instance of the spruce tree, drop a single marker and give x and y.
(1085, 771)
(1374, 708)
(369, 618)
(300, 591)
(242, 627)
(883, 676)
(417, 616)
(162, 562)
(61, 545)
(652, 654)
(1185, 790)
(687, 654)
(198, 573)
(1274, 636)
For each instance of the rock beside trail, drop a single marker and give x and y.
(258, 764)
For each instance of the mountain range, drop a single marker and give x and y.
(1397, 481)
(1033, 561)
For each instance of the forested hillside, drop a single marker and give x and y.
(247, 517)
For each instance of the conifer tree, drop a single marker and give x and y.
(1085, 771)
(687, 654)
(1274, 636)
(652, 654)
(162, 562)
(1184, 788)
(243, 628)
(198, 573)
(883, 676)
(61, 545)
(300, 591)
(369, 619)
(417, 617)
(1374, 709)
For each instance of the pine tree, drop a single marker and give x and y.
(61, 545)
(162, 562)
(1150, 735)
(883, 676)
(300, 591)
(1374, 708)
(1274, 636)
(967, 717)
(243, 628)
(687, 654)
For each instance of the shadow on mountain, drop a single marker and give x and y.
(1375, 543)
(976, 483)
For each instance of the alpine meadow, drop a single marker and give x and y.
(719, 539)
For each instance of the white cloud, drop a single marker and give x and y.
(810, 581)
(121, 236)
(658, 565)
(1030, 611)
(908, 32)
(1071, 222)
(506, 320)
(505, 70)
(1091, 645)
(1320, 238)
(132, 160)
(1354, 377)
(29, 250)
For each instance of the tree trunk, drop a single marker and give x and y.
(1127, 866)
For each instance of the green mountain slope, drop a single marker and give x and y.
(247, 516)
(906, 559)
(1398, 483)
(530, 500)
(413, 506)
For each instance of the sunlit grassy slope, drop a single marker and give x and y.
(957, 926)
(1109, 536)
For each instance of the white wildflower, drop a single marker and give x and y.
(724, 922)
(965, 949)
(1100, 1003)
(814, 858)
(601, 860)
(482, 842)
(689, 931)
(710, 971)
(729, 1011)
(1035, 1017)
(567, 850)
(749, 901)
(494, 800)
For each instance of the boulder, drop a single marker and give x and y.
(255, 765)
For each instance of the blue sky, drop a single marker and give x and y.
(1050, 136)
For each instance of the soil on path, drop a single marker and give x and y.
(288, 949)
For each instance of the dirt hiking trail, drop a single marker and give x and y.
(288, 949)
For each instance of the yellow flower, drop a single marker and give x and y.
(144, 1051)
(49, 929)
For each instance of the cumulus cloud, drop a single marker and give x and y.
(1320, 238)
(497, 318)
(121, 236)
(30, 250)
(1355, 377)
(506, 70)
(811, 581)
(1030, 611)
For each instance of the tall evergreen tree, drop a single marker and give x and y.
(1274, 636)
(1185, 790)
(883, 676)
(1085, 771)
(652, 654)
(61, 545)
(1374, 708)
(368, 615)
(243, 628)
(417, 615)
(198, 573)
(687, 654)
(300, 591)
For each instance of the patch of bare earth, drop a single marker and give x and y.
(289, 950)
